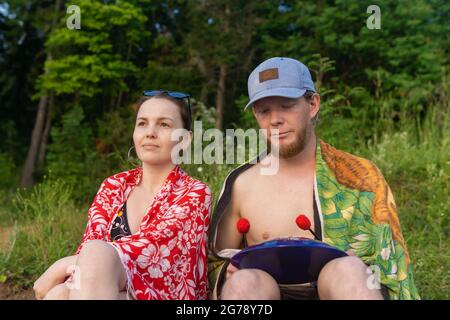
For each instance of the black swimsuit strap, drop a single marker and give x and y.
(317, 224)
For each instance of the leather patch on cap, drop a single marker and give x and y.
(268, 74)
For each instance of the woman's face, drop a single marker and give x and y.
(156, 120)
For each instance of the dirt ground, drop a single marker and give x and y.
(11, 292)
(5, 233)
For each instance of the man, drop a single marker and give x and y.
(345, 197)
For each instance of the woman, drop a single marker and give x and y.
(146, 235)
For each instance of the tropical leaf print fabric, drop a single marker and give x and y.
(359, 213)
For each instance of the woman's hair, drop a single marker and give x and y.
(180, 103)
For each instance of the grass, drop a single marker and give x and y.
(415, 161)
(45, 224)
(48, 225)
(419, 175)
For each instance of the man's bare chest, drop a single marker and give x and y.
(272, 209)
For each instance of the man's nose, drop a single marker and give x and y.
(276, 118)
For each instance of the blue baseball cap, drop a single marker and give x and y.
(283, 77)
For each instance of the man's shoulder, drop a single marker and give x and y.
(246, 177)
(332, 154)
(351, 170)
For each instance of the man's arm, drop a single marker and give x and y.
(227, 235)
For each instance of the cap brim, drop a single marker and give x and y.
(278, 92)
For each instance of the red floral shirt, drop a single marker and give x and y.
(167, 257)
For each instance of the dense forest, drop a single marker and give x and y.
(70, 78)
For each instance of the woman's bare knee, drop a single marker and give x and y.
(98, 262)
(58, 292)
(249, 284)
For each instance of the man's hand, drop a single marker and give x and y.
(53, 276)
(230, 270)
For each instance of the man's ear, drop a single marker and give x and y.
(254, 114)
(253, 110)
(314, 105)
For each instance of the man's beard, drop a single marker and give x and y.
(295, 147)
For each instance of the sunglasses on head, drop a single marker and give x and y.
(173, 94)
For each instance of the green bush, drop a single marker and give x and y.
(415, 162)
(71, 154)
(8, 174)
(48, 227)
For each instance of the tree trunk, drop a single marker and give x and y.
(120, 95)
(34, 154)
(27, 179)
(43, 146)
(220, 96)
(208, 78)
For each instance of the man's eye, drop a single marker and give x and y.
(263, 111)
(287, 106)
(165, 125)
(141, 124)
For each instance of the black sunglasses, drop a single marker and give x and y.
(175, 95)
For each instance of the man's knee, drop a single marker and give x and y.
(350, 266)
(343, 277)
(251, 284)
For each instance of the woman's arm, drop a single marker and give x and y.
(54, 275)
(98, 214)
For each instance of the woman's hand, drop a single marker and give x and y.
(53, 276)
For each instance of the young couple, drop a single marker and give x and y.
(147, 231)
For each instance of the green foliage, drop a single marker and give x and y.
(48, 227)
(71, 155)
(98, 54)
(7, 171)
(44, 200)
(415, 162)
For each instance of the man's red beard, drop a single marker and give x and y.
(294, 148)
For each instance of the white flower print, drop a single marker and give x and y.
(385, 252)
(154, 260)
(180, 267)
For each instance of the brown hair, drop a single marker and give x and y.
(180, 103)
(308, 96)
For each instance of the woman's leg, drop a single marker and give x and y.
(99, 273)
(58, 292)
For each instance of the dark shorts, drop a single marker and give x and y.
(309, 292)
